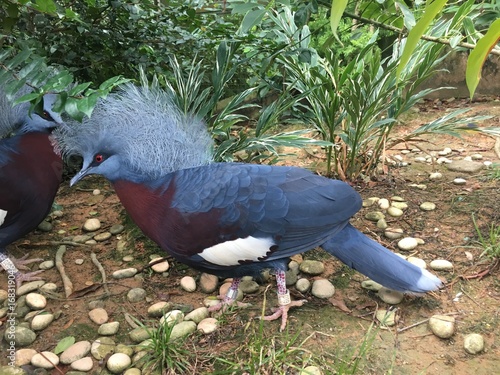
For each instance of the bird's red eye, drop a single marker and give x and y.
(99, 158)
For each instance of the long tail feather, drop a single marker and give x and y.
(378, 263)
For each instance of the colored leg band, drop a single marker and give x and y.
(284, 299)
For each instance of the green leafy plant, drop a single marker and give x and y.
(489, 242)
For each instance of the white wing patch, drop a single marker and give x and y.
(232, 253)
(3, 213)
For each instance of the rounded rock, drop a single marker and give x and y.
(428, 206)
(41, 321)
(84, 364)
(160, 267)
(387, 318)
(91, 225)
(382, 224)
(118, 362)
(188, 284)
(29, 287)
(303, 285)
(225, 287)
(36, 301)
(374, 216)
(45, 226)
(473, 343)
(132, 371)
(393, 233)
(104, 236)
(407, 243)
(394, 211)
(390, 296)
(441, 265)
(208, 325)
(159, 309)
(138, 334)
(116, 229)
(459, 181)
(22, 336)
(322, 288)
(435, 176)
(208, 282)
(182, 329)
(47, 265)
(23, 356)
(197, 315)
(98, 315)
(400, 205)
(310, 370)
(46, 360)
(125, 273)
(383, 203)
(172, 317)
(75, 352)
(249, 286)
(418, 262)
(108, 329)
(102, 347)
(443, 326)
(136, 295)
(312, 267)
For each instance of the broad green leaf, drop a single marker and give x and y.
(252, 19)
(409, 18)
(26, 98)
(64, 344)
(337, 10)
(45, 6)
(478, 56)
(423, 23)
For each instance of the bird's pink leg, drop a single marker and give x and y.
(229, 298)
(284, 301)
(11, 266)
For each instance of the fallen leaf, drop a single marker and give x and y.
(85, 291)
(339, 303)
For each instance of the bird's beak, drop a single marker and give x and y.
(86, 170)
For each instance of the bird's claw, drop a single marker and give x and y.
(29, 276)
(22, 262)
(283, 312)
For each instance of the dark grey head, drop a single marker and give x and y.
(18, 119)
(137, 134)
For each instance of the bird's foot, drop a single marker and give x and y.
(29, 276)
(282, 311)
(22, 262)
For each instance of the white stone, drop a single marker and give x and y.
(476, 157)
(390, 296)
(407, 243)
(370, 201)
(487, 163)
(428, 206)
(188, 284)
(400, 205)
(420, 159)
(386, 317)
(46, 360)
(29, 287)
(125, 273)
(76, 351)
(182, 329)
(118, 362)
(383, 203)
(47, 265)
(208, 282)
(197, 315)
(83, 364)
(96, 192)
(208, 325)
(303, 285)
(159, 309)
(322, 288)
(98, 316)
(41, 321)
(172, 317)
(393, 233)
(473, 343)
(394, 211)
(435, 176)
(91, 225)
(417, 261)
(443, 160)
(310, 370)
(23, 356)
(108, 329)
(442, 326)
(161, 267)
(468, 158)
(459, 181)
(36, 301)
(441, 265)
(445, 151)
(49, 287)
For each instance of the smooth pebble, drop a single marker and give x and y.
(443, 326)
(473, 343)
(208, 325)
(390, 296)
(188, 284)
(46, 360)
(98, 316)
(118, 362)
(407, 243)
(91, 225)
(322, 288)
(441, 265)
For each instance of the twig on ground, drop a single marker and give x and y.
(102, 271)
(68, 285)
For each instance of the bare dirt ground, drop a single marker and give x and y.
(330, 332)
